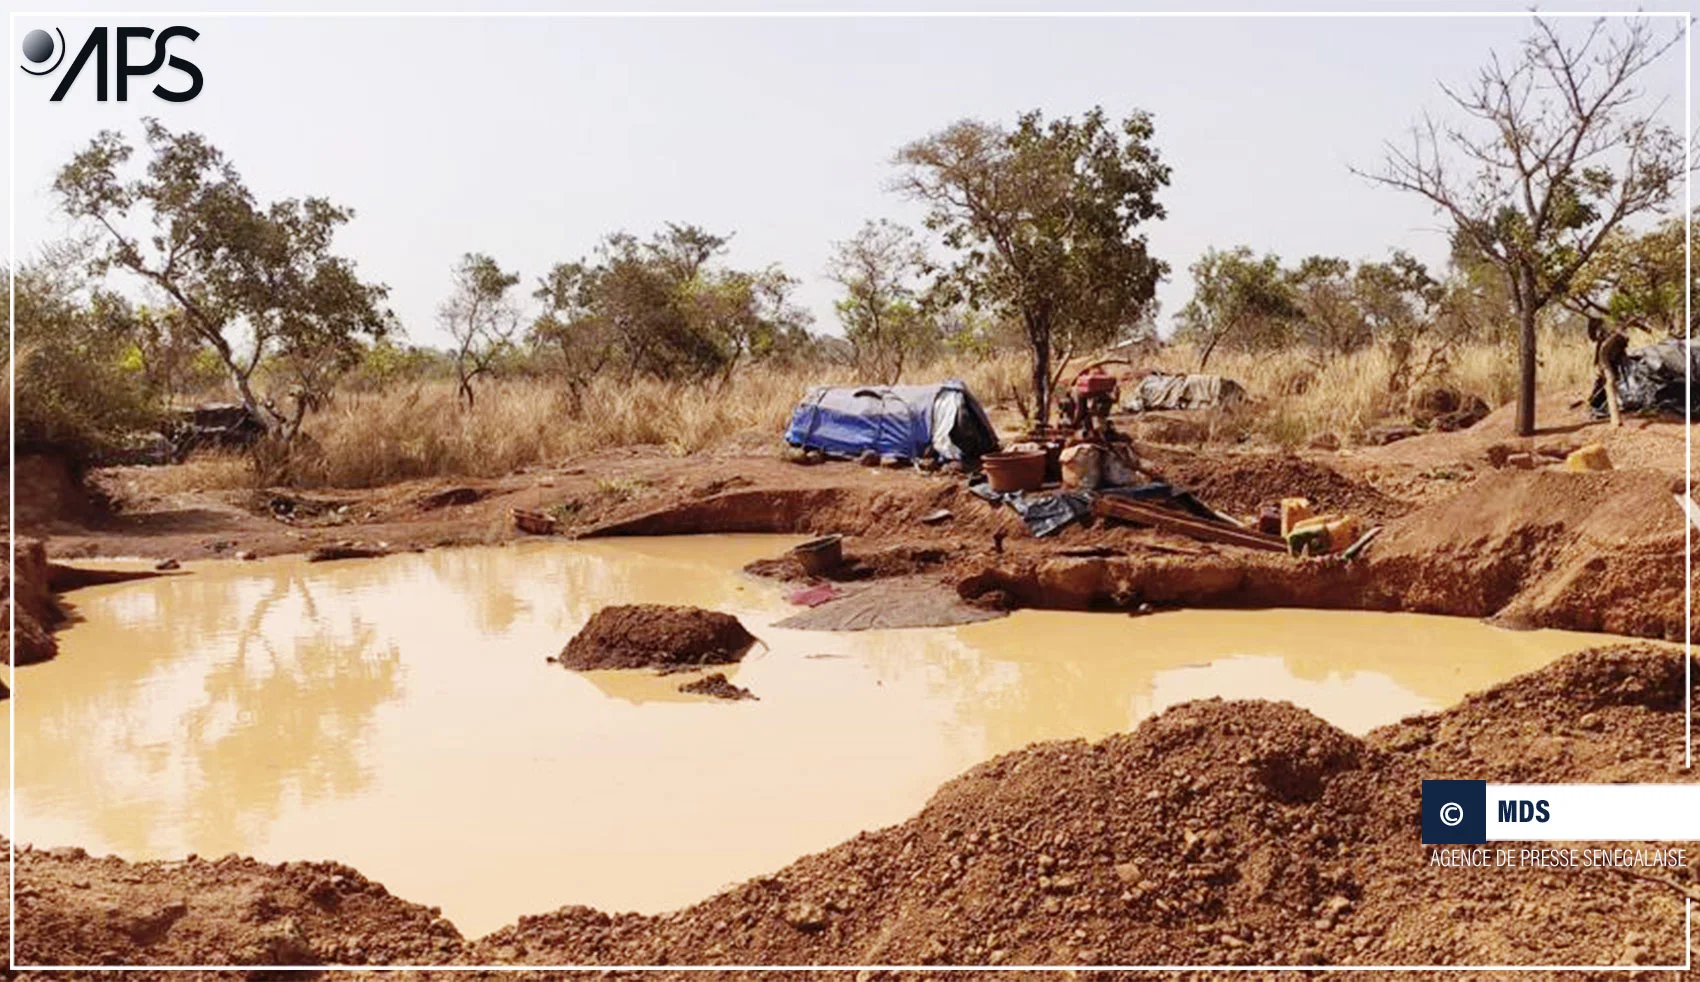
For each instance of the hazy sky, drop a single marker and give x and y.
(531, 138)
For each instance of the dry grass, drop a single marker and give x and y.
(210, 471)
(421, 430)
(1297, 394)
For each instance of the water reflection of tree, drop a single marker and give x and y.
(190, 711)
(275, 703)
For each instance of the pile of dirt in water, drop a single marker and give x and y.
(1240, 484)
(73, 908)
(1214, 833)
(1590, 551)
(717, 685)
(37, 611)
(656, 636)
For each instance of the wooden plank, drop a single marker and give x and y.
(1158, 517)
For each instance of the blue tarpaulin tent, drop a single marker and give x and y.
(893, 420)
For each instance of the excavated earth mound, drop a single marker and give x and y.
(656, 636)
(73, 908)
(1214, 833)
(1240, 484)
(1591, 552)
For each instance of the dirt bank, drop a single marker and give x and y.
(1214, 833)
(1591, 552)
(657, 636)
(29, 596)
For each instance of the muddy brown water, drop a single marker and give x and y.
(398, 715)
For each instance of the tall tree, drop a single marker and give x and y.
(1558, 147)
(1332, 320)
(664, 307)
(253, 281)
(880, 269)
(1238, 299)
(1045, 222)
(480, 316)
(73, 393)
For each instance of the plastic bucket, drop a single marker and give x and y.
(820, 555)
(1014, 470)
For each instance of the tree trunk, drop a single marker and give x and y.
(1526, 357)
(1210, 346)
(1039, 336)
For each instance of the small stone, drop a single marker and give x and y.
(805, 916)
(1128, 873)
(247, 555)
(165, 565)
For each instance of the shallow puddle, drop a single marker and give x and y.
(398, 715)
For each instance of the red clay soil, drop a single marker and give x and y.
(1592, 552)
(37, 613)
(1241, 483)
(1588, 551)
(661, 636)
(78, 909)
(1214, 833)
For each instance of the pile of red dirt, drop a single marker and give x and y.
(1589, 551)
(37, 611)
(717, 685)
(73, 908)
(656, 636)
(1215, 833)
(1240, 484)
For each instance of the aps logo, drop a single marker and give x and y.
(46, 51)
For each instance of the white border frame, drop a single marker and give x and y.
(12, 504)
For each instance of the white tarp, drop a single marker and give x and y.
(1159, 391)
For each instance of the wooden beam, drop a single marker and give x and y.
(1167, 520)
